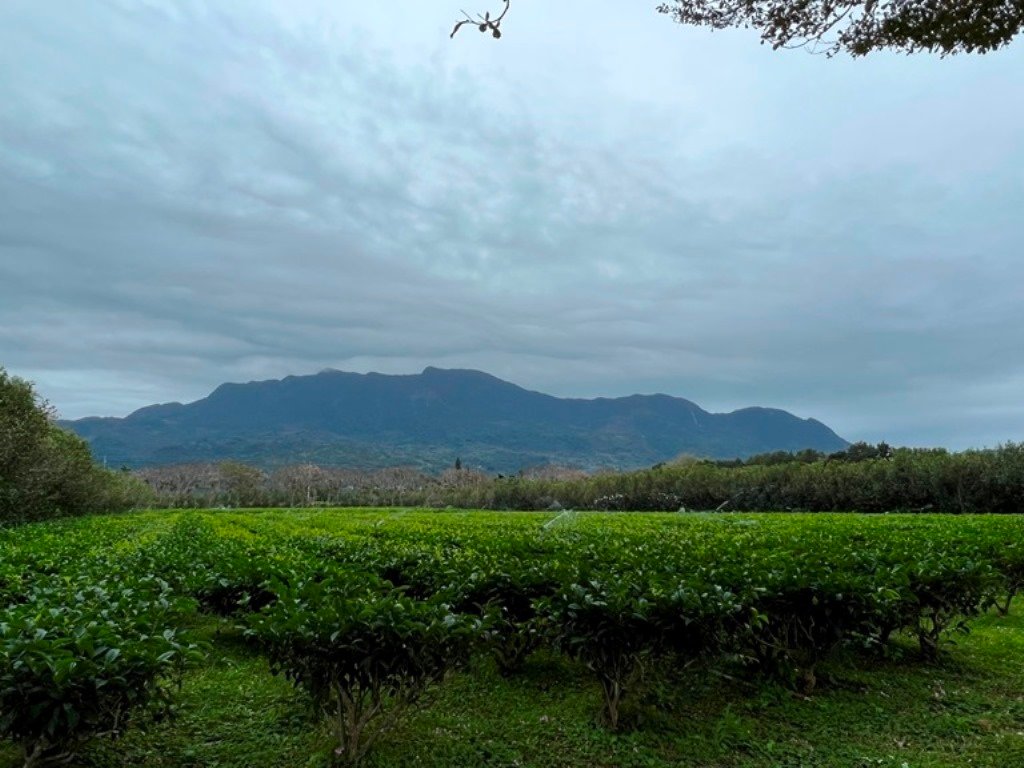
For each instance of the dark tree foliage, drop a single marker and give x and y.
(855, 26)
(46, 471)
(862, 26)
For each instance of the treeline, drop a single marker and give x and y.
(864, 478)
(856, 452)
(46, 471)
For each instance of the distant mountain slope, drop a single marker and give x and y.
(427, 419)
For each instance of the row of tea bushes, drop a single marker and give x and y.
(618, 593)
(365, 611)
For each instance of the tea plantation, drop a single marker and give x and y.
(401, 638)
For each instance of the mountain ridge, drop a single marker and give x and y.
(427, 419)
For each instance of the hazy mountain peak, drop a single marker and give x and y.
(372, 420)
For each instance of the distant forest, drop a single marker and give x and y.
(864, 478)
(46, 471)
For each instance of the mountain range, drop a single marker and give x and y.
(429, 419)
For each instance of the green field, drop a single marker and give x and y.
(750, 640)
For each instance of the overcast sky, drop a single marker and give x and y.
(600, 203)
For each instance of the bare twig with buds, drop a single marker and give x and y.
(483, 23)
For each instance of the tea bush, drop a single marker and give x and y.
(363, 652)
(81, 659)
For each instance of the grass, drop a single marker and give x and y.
(967, 710)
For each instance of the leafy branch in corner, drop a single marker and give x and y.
(862, 26)
(483, 23)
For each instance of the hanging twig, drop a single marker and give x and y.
(483, 23)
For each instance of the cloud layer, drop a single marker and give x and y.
(600, 203)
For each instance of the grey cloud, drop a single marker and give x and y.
(202, 192)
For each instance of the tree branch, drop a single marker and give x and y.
(484, 23)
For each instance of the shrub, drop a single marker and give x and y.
(948, 591)
(80, 660)
(365, 654)
(506, 599)
(612, 627)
